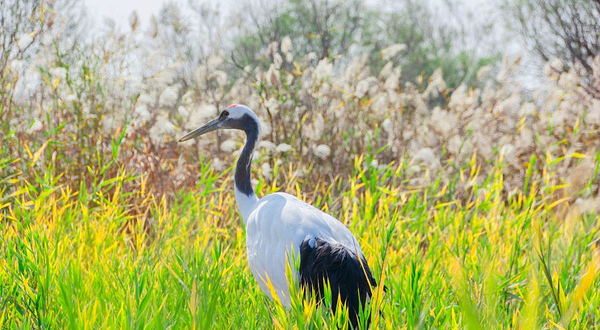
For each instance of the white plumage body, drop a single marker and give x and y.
(276, 227)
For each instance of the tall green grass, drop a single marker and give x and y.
(106, 257)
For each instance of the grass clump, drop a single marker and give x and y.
(94, 259)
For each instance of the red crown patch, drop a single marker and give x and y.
(231, 106)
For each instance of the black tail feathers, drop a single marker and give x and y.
(349, 277)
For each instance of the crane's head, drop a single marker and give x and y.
(235, 116)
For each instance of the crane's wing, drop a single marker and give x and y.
(275, 231)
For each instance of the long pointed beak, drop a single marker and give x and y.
(209, 127)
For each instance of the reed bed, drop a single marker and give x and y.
(94, 259)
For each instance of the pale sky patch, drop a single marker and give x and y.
(120, 10)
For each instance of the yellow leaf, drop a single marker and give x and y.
(585, 284)
(577, 155)
(439, 206)
(38, 153)
(28, 150)
(580, 291)
(553, 205)
(557, 326)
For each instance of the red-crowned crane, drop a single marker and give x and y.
(281, 227)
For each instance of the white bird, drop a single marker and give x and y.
(281, 228)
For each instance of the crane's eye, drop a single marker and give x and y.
(224, 114)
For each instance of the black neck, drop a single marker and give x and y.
(242, 168)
